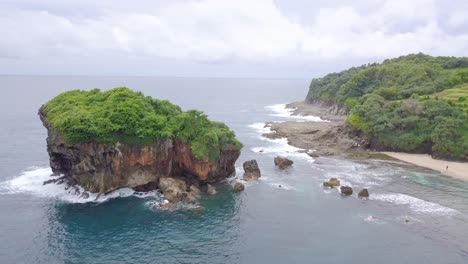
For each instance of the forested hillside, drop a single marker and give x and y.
(414, 103)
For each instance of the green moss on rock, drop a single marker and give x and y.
(126, 116)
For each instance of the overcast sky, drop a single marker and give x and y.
(222, 38)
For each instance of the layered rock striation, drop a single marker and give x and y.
(104, 167)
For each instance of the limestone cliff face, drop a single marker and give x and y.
(106, 167)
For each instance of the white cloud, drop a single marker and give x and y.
(220, 30)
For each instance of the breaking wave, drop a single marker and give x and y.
(415, 204)
(31, 182)
(281, 110)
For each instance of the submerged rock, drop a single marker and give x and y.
(313, 154)
(168, 206)
(194, 189)
(364, 193)
(251, 170)
(346, 190)
(210, 189)
(333, 182)
(283, 162)
(238, 187)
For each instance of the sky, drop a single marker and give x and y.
(221, 38)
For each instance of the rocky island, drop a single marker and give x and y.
(106, 140)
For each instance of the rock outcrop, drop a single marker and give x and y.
(103, 168)
(251, 170)
(333, 182)
(364, 193)
(283, 163)
(238, 187)
(346, 190)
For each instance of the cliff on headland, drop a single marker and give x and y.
(415, 103)
(119, 138)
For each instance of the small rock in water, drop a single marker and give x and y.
(260, 151)
(313, 154)
(251, 170)
(210, 189)
(333, 182)
(194, 189)
(364, 193)
(238, 187)
(280, 186)
(346, 190)
(168, 206)
(84, 195)
(49, 181)
(283, 162)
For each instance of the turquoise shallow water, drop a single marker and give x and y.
(299, 222)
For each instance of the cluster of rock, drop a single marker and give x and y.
(252, 171)
(344, 190)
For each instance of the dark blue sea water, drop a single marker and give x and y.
(414, 215)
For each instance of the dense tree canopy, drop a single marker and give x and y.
(414, 103)
(123, 115)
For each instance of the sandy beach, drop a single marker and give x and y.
(455, 169)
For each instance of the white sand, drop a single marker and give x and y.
(455, 169)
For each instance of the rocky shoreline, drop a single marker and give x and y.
(328, 138)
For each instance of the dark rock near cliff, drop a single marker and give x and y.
(251, 170)
(346, 190)
(283, 163)
(104, 168)
(364, 193)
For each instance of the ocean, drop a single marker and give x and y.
(413, 215)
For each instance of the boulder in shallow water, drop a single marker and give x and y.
(169, 182)
(251, 170)
(210, 189)
(283, 162)
(333, 182)
(174, 190)
(168, 206)
(346, 190)
(194, 189)
(364, 193)
(313, 154)
(238, 187)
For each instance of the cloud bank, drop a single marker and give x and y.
(226, 32)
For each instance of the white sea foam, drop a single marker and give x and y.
(261, 128)
(415, 204)
(281, 186)
(281, 110)
(31, 182)
(281, 147)
(374, 220)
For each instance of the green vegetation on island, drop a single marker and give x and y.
(414, 103)
(126, 116)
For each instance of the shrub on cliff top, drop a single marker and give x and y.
(123, 115)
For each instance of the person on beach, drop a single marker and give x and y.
(446, 168)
